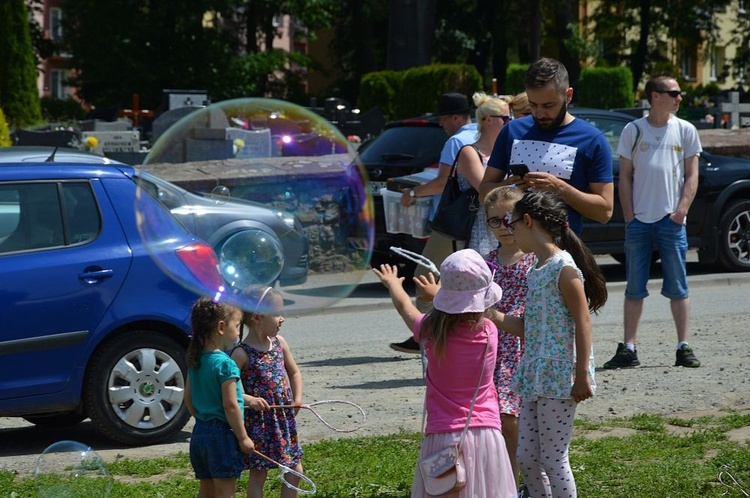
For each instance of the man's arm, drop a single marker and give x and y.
(626, 188)
(597, 204)
(433, 187)
(688, 190)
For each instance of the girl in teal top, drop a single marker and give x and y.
(213, 396)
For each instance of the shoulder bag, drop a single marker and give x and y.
(457, 208)
(445, 471)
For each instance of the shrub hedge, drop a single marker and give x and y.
(605, 87)
(4, 131)
(415, 91)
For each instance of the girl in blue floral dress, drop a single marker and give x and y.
(557, 369)
(270, 376)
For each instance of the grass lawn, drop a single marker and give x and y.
(643, 456)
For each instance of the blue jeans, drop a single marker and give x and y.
(670, 239)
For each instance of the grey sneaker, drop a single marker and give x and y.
(623, 358)
(686, 358)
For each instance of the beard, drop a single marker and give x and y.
(555, 122)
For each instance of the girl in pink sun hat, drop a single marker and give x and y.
(460, 345)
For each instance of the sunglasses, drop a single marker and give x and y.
(672, 93)
(504, 118)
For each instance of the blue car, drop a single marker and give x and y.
(90, 326)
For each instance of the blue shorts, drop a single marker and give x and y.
(214, 451)
(670, 239)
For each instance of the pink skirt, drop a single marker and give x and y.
(488, 471)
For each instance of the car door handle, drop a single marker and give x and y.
(94, 275)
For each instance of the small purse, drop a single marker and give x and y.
(445, 471)
(457, 208)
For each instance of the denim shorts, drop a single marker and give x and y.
(214, 451)
(670, 239)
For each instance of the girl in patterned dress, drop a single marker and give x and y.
(557, 368)
(511, 266)
(270, 376)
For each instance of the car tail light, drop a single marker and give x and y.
(202, 262)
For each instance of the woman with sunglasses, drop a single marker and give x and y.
(492, 113)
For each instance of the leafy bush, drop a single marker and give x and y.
(605, 87)
(514, 78)
(68, 109)
(377, 89)
(415, 91)
(4, 131)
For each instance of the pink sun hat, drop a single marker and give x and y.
(466, 284)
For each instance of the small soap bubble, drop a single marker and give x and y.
(69, 469)
(275, 189)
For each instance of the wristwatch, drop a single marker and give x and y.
(412, 193)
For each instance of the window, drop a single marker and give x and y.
(57, 86)
(716, 64)
(55, 24)
(32, 216)
(687, 63)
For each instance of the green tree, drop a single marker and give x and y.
(692, 23)
(156, 45)
(19, 98)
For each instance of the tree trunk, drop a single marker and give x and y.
(639, 57)
(535, 36)
(566, 15)
(411, 29)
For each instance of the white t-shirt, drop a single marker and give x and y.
(658, 156)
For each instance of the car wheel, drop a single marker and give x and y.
(734, 237)
(67, 419)
(135, 386)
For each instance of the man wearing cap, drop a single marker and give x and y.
(455, 119)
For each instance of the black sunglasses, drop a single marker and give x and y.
(672, 93)
(504, 118)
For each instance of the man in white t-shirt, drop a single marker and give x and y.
(658, 180)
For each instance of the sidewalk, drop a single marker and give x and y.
(371, 295)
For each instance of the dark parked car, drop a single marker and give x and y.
(403, 148)
(90, 326)
(718, 221)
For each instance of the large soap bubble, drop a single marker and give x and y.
(68, 469)
(281, 198)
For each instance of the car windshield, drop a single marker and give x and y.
(405, 144)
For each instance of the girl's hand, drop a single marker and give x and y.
(257, 404)
(582, 389)
(427, 285)
(246, 445)
(388, 275)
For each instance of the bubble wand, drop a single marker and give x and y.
(417, 258)
(733, 482)
(308, 490)
(349, 417)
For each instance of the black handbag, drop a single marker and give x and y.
(457, 208)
